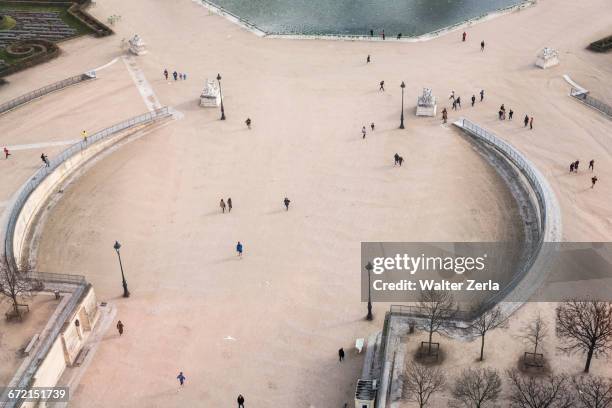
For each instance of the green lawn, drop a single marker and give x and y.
(7, 23)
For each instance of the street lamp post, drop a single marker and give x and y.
(369, 268)
(221, 95)
(126, 292)
(403, 85)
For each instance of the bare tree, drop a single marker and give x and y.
(535, 332)
(421, 382)
(12, 284)
(585, 327)
(551, 391)
(438, 307)
(593, 392)
(489, 320)
(477, 388)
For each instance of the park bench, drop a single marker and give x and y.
(11, 314)
(359, 344)
(31, 344)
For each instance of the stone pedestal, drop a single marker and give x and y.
(547, 58)
(210, 97)
(137, 46)
(426, 104)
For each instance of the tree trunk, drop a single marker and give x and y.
(535, 348)
(15, 307)
(589, 357)
(482, 348)
(430, 337)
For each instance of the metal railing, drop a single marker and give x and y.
(56, 278)
(542, 194)
(23, 99)
(54, 163)
(583, 96)
(25, 379)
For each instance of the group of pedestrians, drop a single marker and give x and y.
(398, 160)
(176, 75)
(528, 121)
(501, 114)
(224, 206)
(364, 131)
(573, 168)
(464, 37)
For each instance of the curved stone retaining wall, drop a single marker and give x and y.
(45, 90)
(530, 275)
(35, 192)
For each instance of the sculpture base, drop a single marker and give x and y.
(138, 51)
(210, 102)
(547, 63)
(426, 110)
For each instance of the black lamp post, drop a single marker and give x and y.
(403, 85)
(369, 268)
(221, 94)
(126, 292)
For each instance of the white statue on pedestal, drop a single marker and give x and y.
(426, 104)
(210, 97)
(137, 46)
(547, 58)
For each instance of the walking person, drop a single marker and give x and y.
(239, 249)
(368, 59)
(287, 202)
(526, 121)
(45, 159)
(120, 328)
(248, 122)
(444, 115)
(341, 354)
(383, 34)
(400, 161)
(571, 167)
(473, 99)
(576, 164)
(464, 36)
(166, 74)
(396, 158)
(399, 36)
(240, 401)
(371, 33)
(481, 95)
(84, 135)
(482, 45)
(382, 86)
(510, 114)
(6, 153)
(454, 104)
(593, 181)
(363, 132)
(459, 102)
(531, 123)
(229, 205)
(175, 75)
(372, 126)
(181, 377)
(452, 95)
(222, 205)
(592, 165)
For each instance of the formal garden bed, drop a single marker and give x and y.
(30, 29)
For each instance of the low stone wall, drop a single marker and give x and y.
(45, 188)
(531, 275)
